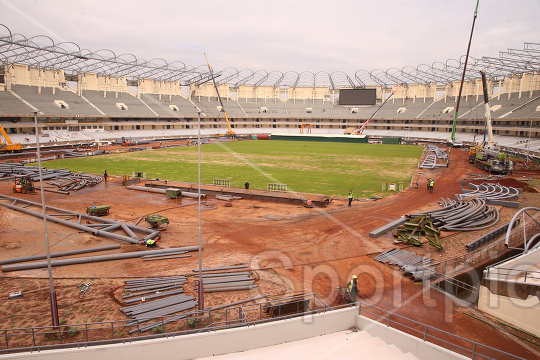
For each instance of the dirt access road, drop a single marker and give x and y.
(295, 249)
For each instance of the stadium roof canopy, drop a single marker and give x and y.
(43, 53)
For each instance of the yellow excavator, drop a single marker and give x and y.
(230, 132)
(8, 146)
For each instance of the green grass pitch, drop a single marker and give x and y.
(311, 167)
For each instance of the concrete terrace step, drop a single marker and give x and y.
(343, 345)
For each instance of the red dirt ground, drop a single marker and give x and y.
(296, 249)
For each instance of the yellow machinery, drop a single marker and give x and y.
(230, 132)
(9, 145)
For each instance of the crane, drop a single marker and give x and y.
(359, 132)
(487, 156)
(489, 128)
(10, 146)
(230, 132)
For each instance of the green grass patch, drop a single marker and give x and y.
(311, 167)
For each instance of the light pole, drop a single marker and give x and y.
(201, 287)
(52, 293)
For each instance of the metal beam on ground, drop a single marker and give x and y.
(59, 254)
(390, 226)
(86, 260)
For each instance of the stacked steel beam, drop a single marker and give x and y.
(226, 278)
(168, 292)
(402, 258)
(215, 282)
(415, 266)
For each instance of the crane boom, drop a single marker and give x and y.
(489, 128)
(10, 146)
(376, 111)
(230, 132)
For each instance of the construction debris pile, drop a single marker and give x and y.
(430, 162)
(462, 215)
(215, 280)
(62, 179)
(411, 232)
(169, 289)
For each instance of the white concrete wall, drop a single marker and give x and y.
(524, 314)
(247, 338)
(208, 344)
(405, 342)
(518, 265)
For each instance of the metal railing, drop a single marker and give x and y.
(203, 323)
(124, 331)
(430, 334)
(465, 261)
(508, 274)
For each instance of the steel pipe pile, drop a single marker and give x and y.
(171, 288)
(163, 322)
(59, 176)
(490, 191)
(153, 306)
(402, 258)
(186, 315)
(155, 295)
(151, 310)
(463, 215)
(154, 284)
(216, 282)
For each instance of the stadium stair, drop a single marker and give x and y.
(344, 345)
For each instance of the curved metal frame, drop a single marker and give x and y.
(42, 52)
(522, 213)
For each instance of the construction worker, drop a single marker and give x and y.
(151, 242)
(431, 183)
(350, 197)
(105, 175)
(352, 288)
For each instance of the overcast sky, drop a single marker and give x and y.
(284, 35)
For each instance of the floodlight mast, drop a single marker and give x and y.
(230, 132)
(453, 136)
